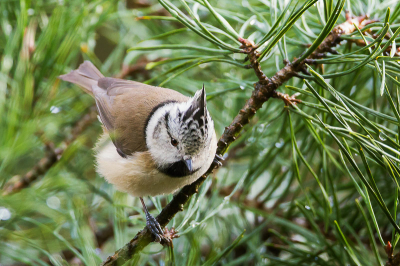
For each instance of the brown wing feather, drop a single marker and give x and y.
(125, 108)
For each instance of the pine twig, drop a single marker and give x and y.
(393, 260)
(264, 89)
(52, 156)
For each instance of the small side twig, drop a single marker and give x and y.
(287, 99)
(393, 260)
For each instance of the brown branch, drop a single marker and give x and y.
(52, 156)
(17, 182)
(264, 89)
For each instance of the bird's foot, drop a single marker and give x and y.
(218, 160)
(154, 227)
(165, 236)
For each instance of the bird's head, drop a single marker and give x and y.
(178, 136)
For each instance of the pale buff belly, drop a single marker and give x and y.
(137, 174)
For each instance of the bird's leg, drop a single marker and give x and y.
(155, 227)
(218, 160)
(152, 224)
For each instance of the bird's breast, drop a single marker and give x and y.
(138, 174)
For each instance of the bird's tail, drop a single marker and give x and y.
(85, 76)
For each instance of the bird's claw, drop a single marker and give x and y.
(218, 159)
(163, 237)
(154, 228)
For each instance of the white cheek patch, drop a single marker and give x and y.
(158, 140)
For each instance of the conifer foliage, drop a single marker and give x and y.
(306, 103)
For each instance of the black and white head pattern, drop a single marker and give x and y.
(178, 135)
(194, 124)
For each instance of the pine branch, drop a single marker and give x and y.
(264, 89)
(53, 155)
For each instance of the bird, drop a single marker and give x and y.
(155, 140)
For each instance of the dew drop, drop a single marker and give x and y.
(307, 207)
(53, 202)
(7, 63)
(353, 90)
(55, 109)
(279, 144)
(331, 201)
(7, 29)
(251, 139)
(99, 9)
(194, 223)
(261, 128)
(382, 136)
(92, 43)
(5, 214)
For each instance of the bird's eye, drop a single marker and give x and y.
(174, 142)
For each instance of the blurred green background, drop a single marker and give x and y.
(270, 204)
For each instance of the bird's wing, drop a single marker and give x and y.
(125, 107)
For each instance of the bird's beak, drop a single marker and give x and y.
(188, 163)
